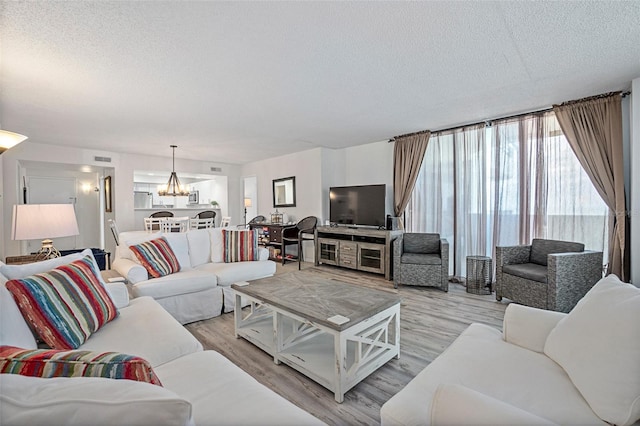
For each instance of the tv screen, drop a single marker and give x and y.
(358, 205)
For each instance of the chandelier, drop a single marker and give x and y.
(173, 187)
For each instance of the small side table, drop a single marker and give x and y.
(479, 274)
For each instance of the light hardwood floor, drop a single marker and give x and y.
(429, 321)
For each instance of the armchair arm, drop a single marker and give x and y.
(528, 327)
(397, 253)
(119, 293)
(133, 272)
(571, 276)
(290, 231)
(455, 404)
(509, 255)
(444, 257)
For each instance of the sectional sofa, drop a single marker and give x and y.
(581, 368)
(198, 387)
(202, 287)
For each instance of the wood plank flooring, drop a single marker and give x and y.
(430, 320)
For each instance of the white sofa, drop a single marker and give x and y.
(581, 368)
(199, 387)
(203, 285)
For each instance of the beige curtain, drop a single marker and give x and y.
(408, 154)
(593, 127)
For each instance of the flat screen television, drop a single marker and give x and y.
(358, 205)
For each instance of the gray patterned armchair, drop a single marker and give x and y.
(547, 274)
(421, 259)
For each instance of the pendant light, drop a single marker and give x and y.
(173, 186)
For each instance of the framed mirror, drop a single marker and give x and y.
(284, 192)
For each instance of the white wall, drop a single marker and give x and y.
(635, 181)
(306, 166)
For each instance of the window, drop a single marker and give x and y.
(504, 185)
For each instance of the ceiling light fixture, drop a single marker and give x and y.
(9, 139)
(173, 186)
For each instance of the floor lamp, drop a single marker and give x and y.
(247, 203)
(44, 221)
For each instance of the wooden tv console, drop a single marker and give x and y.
(364, 249)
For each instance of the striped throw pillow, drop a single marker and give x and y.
(240, 246)
(65, 305)
(157, 257)
(48, 363)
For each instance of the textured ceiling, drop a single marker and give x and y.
(235, 82)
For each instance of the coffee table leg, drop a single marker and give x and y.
(277, 337)
(237, 315)
(340, 346)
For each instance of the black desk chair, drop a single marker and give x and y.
(295, 235)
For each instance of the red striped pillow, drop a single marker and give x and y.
(48, 363)
(240, 246)
(65, 305)
(157, 257)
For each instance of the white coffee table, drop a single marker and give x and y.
(288, 317)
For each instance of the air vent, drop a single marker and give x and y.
(216, 169)
(102, 159)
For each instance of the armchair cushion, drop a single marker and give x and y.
(421, 259)
(530, 271)
(598, 345)
(421, 243)
(540, 249)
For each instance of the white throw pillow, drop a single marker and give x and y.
(180, 246)
(217, 246)
(598, 345)
(199, 246)
(89, 401)
(14, 330)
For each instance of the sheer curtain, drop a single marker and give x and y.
(482, 187)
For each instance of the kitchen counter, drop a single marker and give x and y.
(140, 214)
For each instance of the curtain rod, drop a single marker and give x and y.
(488, 122)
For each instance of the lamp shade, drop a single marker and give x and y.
(9, 139)
(40, 221)
(247, 202)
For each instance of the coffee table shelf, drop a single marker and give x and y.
(336, 356)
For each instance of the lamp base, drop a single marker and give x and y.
(47, 251)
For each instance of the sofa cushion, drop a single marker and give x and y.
(199, 241)
(421, 243)
(81, 401)
(145, 329)
(224, 394)
(482, 361)
(13, 272)
(598, 345)
(14, 330)
(240, 246)
(157, 257)
(540, 249)
(421, 259)
(65, 305)
(528, 271)
(458, 405)
(49, 363)
(183, 282)
(229, 273)
(217, 245)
